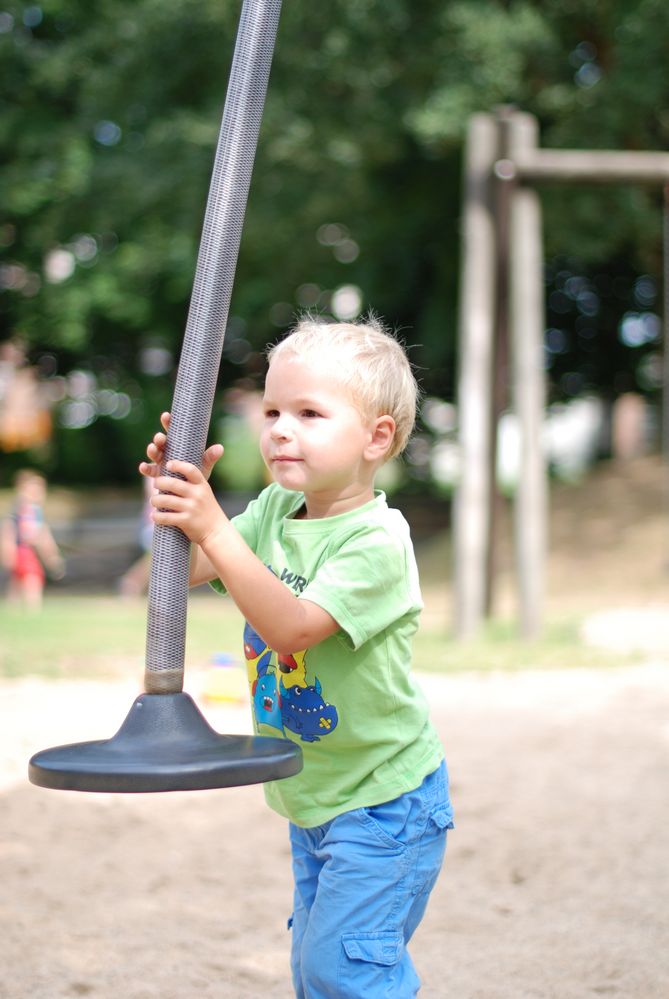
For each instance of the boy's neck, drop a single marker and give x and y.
(318, 506)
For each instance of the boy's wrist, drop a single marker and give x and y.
(214, 540)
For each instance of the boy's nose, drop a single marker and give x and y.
(281, 429)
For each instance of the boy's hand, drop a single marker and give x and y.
(187, 502)
(156, 453)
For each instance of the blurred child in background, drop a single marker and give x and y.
(135, 581)
(27, 545)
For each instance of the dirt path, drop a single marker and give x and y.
(555, 886)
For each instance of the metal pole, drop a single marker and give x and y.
(205, 329)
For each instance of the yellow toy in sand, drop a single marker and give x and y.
(225, 680)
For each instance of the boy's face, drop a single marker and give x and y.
(314, 439)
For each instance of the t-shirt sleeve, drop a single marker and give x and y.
(369, 583)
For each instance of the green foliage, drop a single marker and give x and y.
(110, 112)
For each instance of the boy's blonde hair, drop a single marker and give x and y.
(368, 361)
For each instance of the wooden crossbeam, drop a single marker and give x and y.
(589, 166)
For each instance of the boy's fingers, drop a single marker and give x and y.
(165, 501)
(165, 420)
(168, 485)
(149, 469)
(188, 471)
(212, 454)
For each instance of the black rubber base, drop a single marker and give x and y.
(165, 744)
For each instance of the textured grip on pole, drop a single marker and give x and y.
(205, 328)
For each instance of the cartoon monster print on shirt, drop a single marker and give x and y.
(304, 712)
(281, 694)
(256, 653)
(293, 669)
(267, 701)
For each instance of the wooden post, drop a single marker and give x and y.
(499, 402)
(527, 325)
(664, 432)
(477, 294)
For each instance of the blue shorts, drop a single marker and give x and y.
(362, 882)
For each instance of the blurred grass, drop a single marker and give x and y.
(608, 549)
(78, 637)
(499, 647)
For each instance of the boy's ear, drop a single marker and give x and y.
(383, 435)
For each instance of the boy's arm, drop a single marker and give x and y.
(201, 569)
(286, 624)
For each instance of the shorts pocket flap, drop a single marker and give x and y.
(442, 817)
(377, 948)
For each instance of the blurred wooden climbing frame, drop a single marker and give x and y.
(501, 329)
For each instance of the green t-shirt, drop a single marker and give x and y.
(350, 701)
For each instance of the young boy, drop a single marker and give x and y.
(325, 576)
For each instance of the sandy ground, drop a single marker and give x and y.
(556, 881)
(556, 884)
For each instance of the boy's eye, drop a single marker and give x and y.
(310, 413)
(271, 414)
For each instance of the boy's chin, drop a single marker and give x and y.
(285, 483)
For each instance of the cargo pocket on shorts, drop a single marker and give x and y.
(373, 948)
(442, 817)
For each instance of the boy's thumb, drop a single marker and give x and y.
(212, 455)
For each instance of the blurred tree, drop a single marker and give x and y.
(110, 112)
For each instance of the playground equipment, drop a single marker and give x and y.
(502, 318)
(165, 744)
